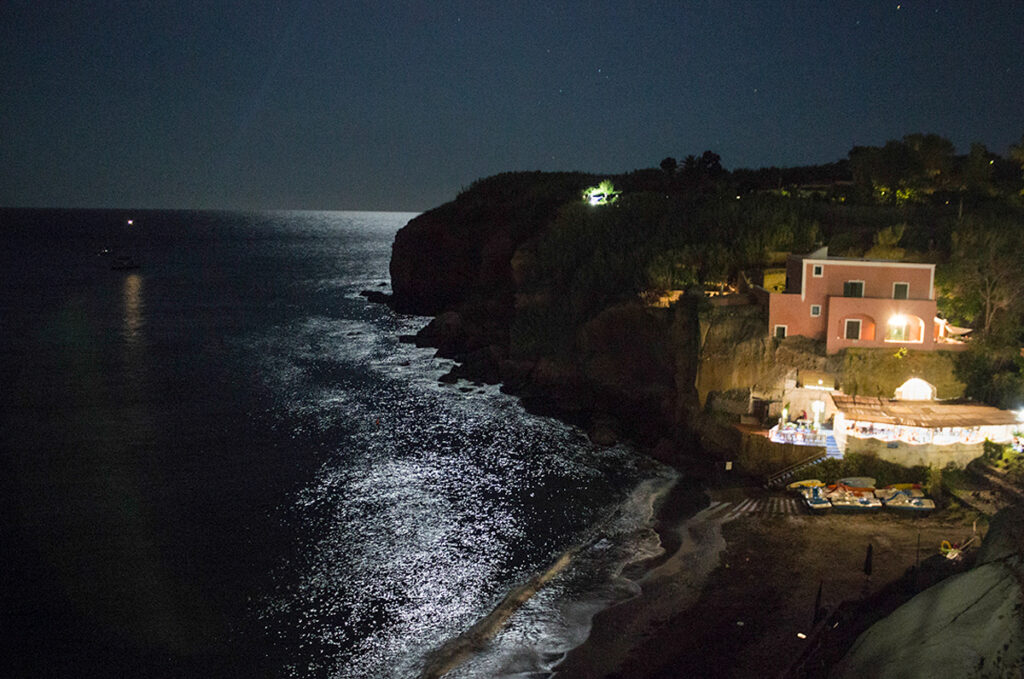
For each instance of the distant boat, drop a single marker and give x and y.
(903, 502)
(857, 482)
(855, 504)
(815, 499)
(911, 490)
(846, 498)
(123, 263)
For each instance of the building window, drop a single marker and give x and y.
(780, 332)
(852, 329)
(853, 289)
(815, 310)
(817, 270)
(896, 330)
(901, 290)
(904, 328)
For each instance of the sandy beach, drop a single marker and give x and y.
(731, 599)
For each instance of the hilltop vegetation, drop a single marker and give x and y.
(543, 285)
(695, 225)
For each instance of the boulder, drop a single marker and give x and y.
(970, 624)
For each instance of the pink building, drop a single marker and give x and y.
(858, 303)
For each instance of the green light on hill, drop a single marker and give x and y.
(602, 194)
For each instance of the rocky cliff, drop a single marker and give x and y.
(629, 369)
(531, 288)
(462, 251)
(970, 625)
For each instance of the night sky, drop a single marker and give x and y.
(397, 106)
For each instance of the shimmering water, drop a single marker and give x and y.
(224, 463)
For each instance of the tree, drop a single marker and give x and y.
(902, 169)
(669, 165)
(1017, 152)
(933, 158)
(710, 164)
(887, 243)
(976, 175)
(674, 269)
(986, 270)
(1017, 155)
(715, 263)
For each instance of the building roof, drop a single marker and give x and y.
(821, 256)
(864, 261)
(927, 414)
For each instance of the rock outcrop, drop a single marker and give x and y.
(970, 625)
(631, 368)
(621, 369)
(463, 249)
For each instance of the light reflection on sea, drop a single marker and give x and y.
(433, 502)
(225, 464)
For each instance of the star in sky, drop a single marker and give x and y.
(397, 106)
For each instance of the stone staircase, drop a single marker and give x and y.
(831, 448)
(784, 476)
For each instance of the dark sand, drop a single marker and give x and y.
(730, 601)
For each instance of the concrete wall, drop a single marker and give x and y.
(795, 313)
(878, 278)
(910, 455)
(758, 455)
(793, 309)
(874, 315)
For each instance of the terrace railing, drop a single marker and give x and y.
(782, 477)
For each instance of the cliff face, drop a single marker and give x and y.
(519, 299)
(462, 250)
(970, 625)
(736, 353)
(432, 267)
(629, 370)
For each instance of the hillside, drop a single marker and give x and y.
(537, 286)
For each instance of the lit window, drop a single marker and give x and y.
(896, 330)
(815, 310)
(900, 290)
(780, 332)
(853, 329)
(853, 289)
(896, 333)
(817, 270)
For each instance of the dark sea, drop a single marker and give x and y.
(223, 463)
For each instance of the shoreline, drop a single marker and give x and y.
(743, 583)
(671, 507)
(639, 513)
(668, 583)
(730, 593)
